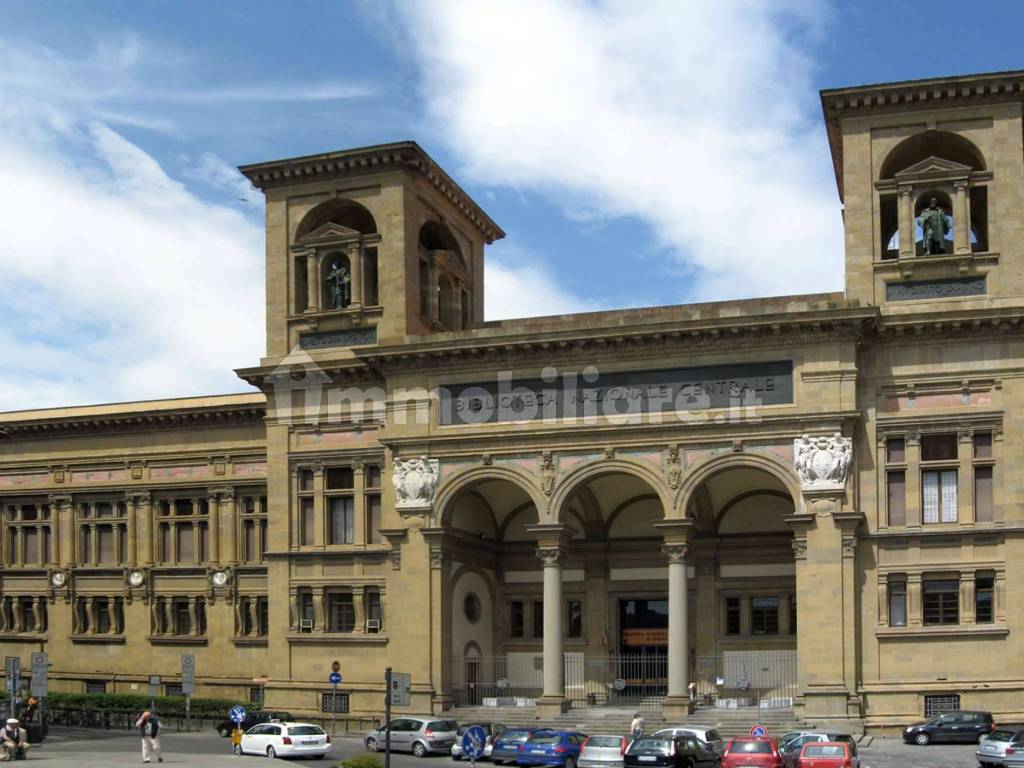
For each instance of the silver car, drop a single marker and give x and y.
(602, 752)
(1003, 746)
(708, 737)
(420, 735)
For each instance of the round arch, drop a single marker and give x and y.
(765, 462)
(450, 489)
(347, 213)
(575, 479)
(920, 146)
(470, 568)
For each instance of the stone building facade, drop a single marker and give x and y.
(805, 502)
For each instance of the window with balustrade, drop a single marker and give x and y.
(98, 616)
(28, 533)
(23, 614)
(177, 616)
(251, 616)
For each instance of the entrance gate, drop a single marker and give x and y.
(763, 679)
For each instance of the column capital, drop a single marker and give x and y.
(551, 535)
(675, 531)
(676, 553)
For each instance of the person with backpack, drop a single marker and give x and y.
(149, 729)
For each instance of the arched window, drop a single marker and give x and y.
(443, 277)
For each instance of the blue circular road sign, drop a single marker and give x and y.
(758, 730)
(237, 713)
(473, 742)
(334, 678)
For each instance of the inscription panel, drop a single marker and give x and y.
(349, 338)
(935, 289)
(591, 394)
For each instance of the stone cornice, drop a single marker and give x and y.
(407, 155)
(838, 103)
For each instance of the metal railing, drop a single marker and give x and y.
(736, 679)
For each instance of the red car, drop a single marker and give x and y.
(827, 754)
(752, 751)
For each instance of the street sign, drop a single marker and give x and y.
(473, 741)
(40, 669)
(188, 674)
(758, 730)
(334, 678)
(154, 685)
(335, 666)
(237, 714)
(401, 685)
(12, 668)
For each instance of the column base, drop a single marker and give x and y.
(549, 706)
(676, 707)
(831, 707)
(439, 704)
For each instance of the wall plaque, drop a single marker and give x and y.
(590, 394)
(351, 337)
(935, 289)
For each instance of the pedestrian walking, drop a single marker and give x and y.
(637, 726)
(149, 729)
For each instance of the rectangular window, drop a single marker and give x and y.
(984, 599)
(574, 619)
(262, 617)
(372, 476)
(897, 602)
(373, 514)
(939, 447)
(256, 696)
(938, 496)
(895, 451)
(897, 497)
(983, 495)
(173, 689)
(983, 445)
(101, 606)
(341, 521)
(374, 611)
(516, 619)
(306, 524)
(95, 686)
(538, 618)
(251, 534)
(180, 617)
(105, 540)
(186, 544)
(307, 613)
(941, 602)
(31, 542)
(732, 615)
(339, 479)
(792, 614)
(764, 615)
(305, 479)
(332, 702)
(86, 545)
(341, 612)
(937, 704)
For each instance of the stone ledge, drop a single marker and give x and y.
(977, 630)
(98, 639)
(177, 639)
(338, 637)
(21, 637)
(252, 641)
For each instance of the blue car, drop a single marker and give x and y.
(548, 747)
(506, 746)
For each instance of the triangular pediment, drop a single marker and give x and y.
(331, 231)
(935, 166)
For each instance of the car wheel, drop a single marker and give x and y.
(570, 763)
(371, 745)
(271, 752)
(922, 739)
(419, 750)
(237, 749)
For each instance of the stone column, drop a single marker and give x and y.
(358, 503)
(213, 526)
(967, 591)
(147, 532)
(906, 223)
(914, 608)
(913, 457)
(167, 614)
(293, 609)
(319, 524)
(312, 282)
(359, 606)
(90, 614)
(965, 478)
(131, 530)
(253, 617)
(961, 219)
(228, 526)
(193, 617)
(554, 683)
(94, 542)
(112, 615)
(432, 293)
(319, 609)
(456, 306)
(355, 261)
(678, 630)
(37, 614)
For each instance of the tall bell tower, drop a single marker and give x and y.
(366, 245)
(931, 176)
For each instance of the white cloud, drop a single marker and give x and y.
(697, 118)
(119, 282)
(518, 284)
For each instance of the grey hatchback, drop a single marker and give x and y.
(1004, 746)
(419, 735)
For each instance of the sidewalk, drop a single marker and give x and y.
(114, 749)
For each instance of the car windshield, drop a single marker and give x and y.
(545, 738)
(658, 745)
(751, 747)
(605, 741)
(1002, 735)
(515, 735)
(824, 750)
(306, 730)
(442, 725)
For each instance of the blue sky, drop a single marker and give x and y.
(635, 153)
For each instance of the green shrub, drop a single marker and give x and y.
(130, 702)
(361, 761)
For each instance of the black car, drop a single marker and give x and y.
(957, 726)
(225, 727)
(683, 751)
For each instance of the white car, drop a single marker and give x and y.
(277, 739)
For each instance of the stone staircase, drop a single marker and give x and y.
(616, 720)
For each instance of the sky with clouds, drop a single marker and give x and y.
(635, 153)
